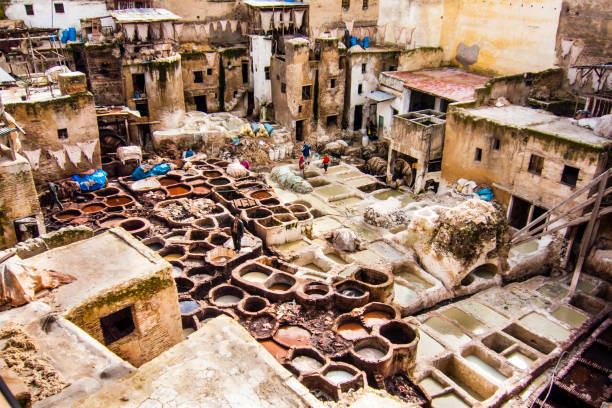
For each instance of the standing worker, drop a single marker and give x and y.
(53, 190)
(306, 151)
(237, 232)
(326, 162)
(302, 166)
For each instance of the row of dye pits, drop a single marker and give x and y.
(374, 349)
(585, 381)
(491, 348)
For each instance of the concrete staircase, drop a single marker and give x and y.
(231, 105)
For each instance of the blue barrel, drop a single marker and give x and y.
(72, 34)
(362, 44)
(353, 41)
(366, 42)
(64, 36)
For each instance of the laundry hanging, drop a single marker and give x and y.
(156, 31)
(243, 27)
(88, 148)
(266, 19)
(286, 18)
(277, 19)
(74, 154)
(143, 31)
(566, 45)
(178, 31)
(167, 30)
(223, 24)
(33, 157)
(233, 25)
(210, 58)
(349, 25)
(299, 18)
(397, 31)
(382, 30)
(59, 157)
(130, 30)
(206, 29)
(199, 31)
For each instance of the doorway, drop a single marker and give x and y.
(358, 119)
(245, 72)
(299, 130)
(26, 228)
(200, 103)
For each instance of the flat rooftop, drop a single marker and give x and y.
(143, 15)
(540, 121)
(274, 3)
(449, 83)
(99, 264)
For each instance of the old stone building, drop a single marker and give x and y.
(61, 127)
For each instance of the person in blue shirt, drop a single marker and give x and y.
(306, 152)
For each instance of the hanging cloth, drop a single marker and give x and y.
(233, 25)
(223, 24)
(88, 148)
(349, 25)
(143, 31)
(299, 18)
(382, 30)
(33, 157)
(397, 31)
(243, 27)
(74, 154)
(199, 31)
(130, 30)
(59, 157)
(277, 19)
(210, 59)
(167, 30)
(286, 18)
(178, 31)
(156, 31)
(266, 19)
(206, 29)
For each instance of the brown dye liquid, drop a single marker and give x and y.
(374, 318)
(279, 352)
(259, 195)
(292, 336)
(65, 216)
(171, 257)
(118, 201)
(92, 208)
(167, 181)
(352, 331)
(212, 174)
(201, 190)
(279, 287)
(178, 190)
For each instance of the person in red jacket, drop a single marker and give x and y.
(302, 165)
(326, 162)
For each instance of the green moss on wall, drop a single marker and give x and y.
(231, 53)
(163, 68)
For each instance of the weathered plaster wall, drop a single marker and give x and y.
(41, 121)
(424, 16)
(517, 88)
(18, 198)
(209, 67)
(104, 74)
(501, 37)
(261, 55)
(585, 37)
(325, 14)
(421, 58)
(330, 100)
(375, 62)
(199, 9)
(46, 16)
(164, 90)
(295, 71)
(234, 85)
(508, 166)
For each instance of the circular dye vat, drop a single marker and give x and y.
(352, 292)
(93, 208)
(212, 174)
(371, 319)
(117, 201)
(370, 353)
(177, 190)
(306, 364)
(167, 181)
(279, 287)
(352, 331)
(227, 300)
(339, 376)
(254, 276)
(156, 246)
(176, 237)
(201, 190)
(292, 336)
(220, 259)
(173, 256)
(183, 285)
(260, 195)
(177, 270)
(275, 349)
(67, 215)
(188, 306)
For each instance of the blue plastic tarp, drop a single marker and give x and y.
(269, 128)
(91, 182)
(158, 170)
(485, 194)
(254, 127)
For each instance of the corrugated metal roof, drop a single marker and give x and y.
(273, 3)
(450, 83)
(5, 76)
(380, 96)
(142, 15)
